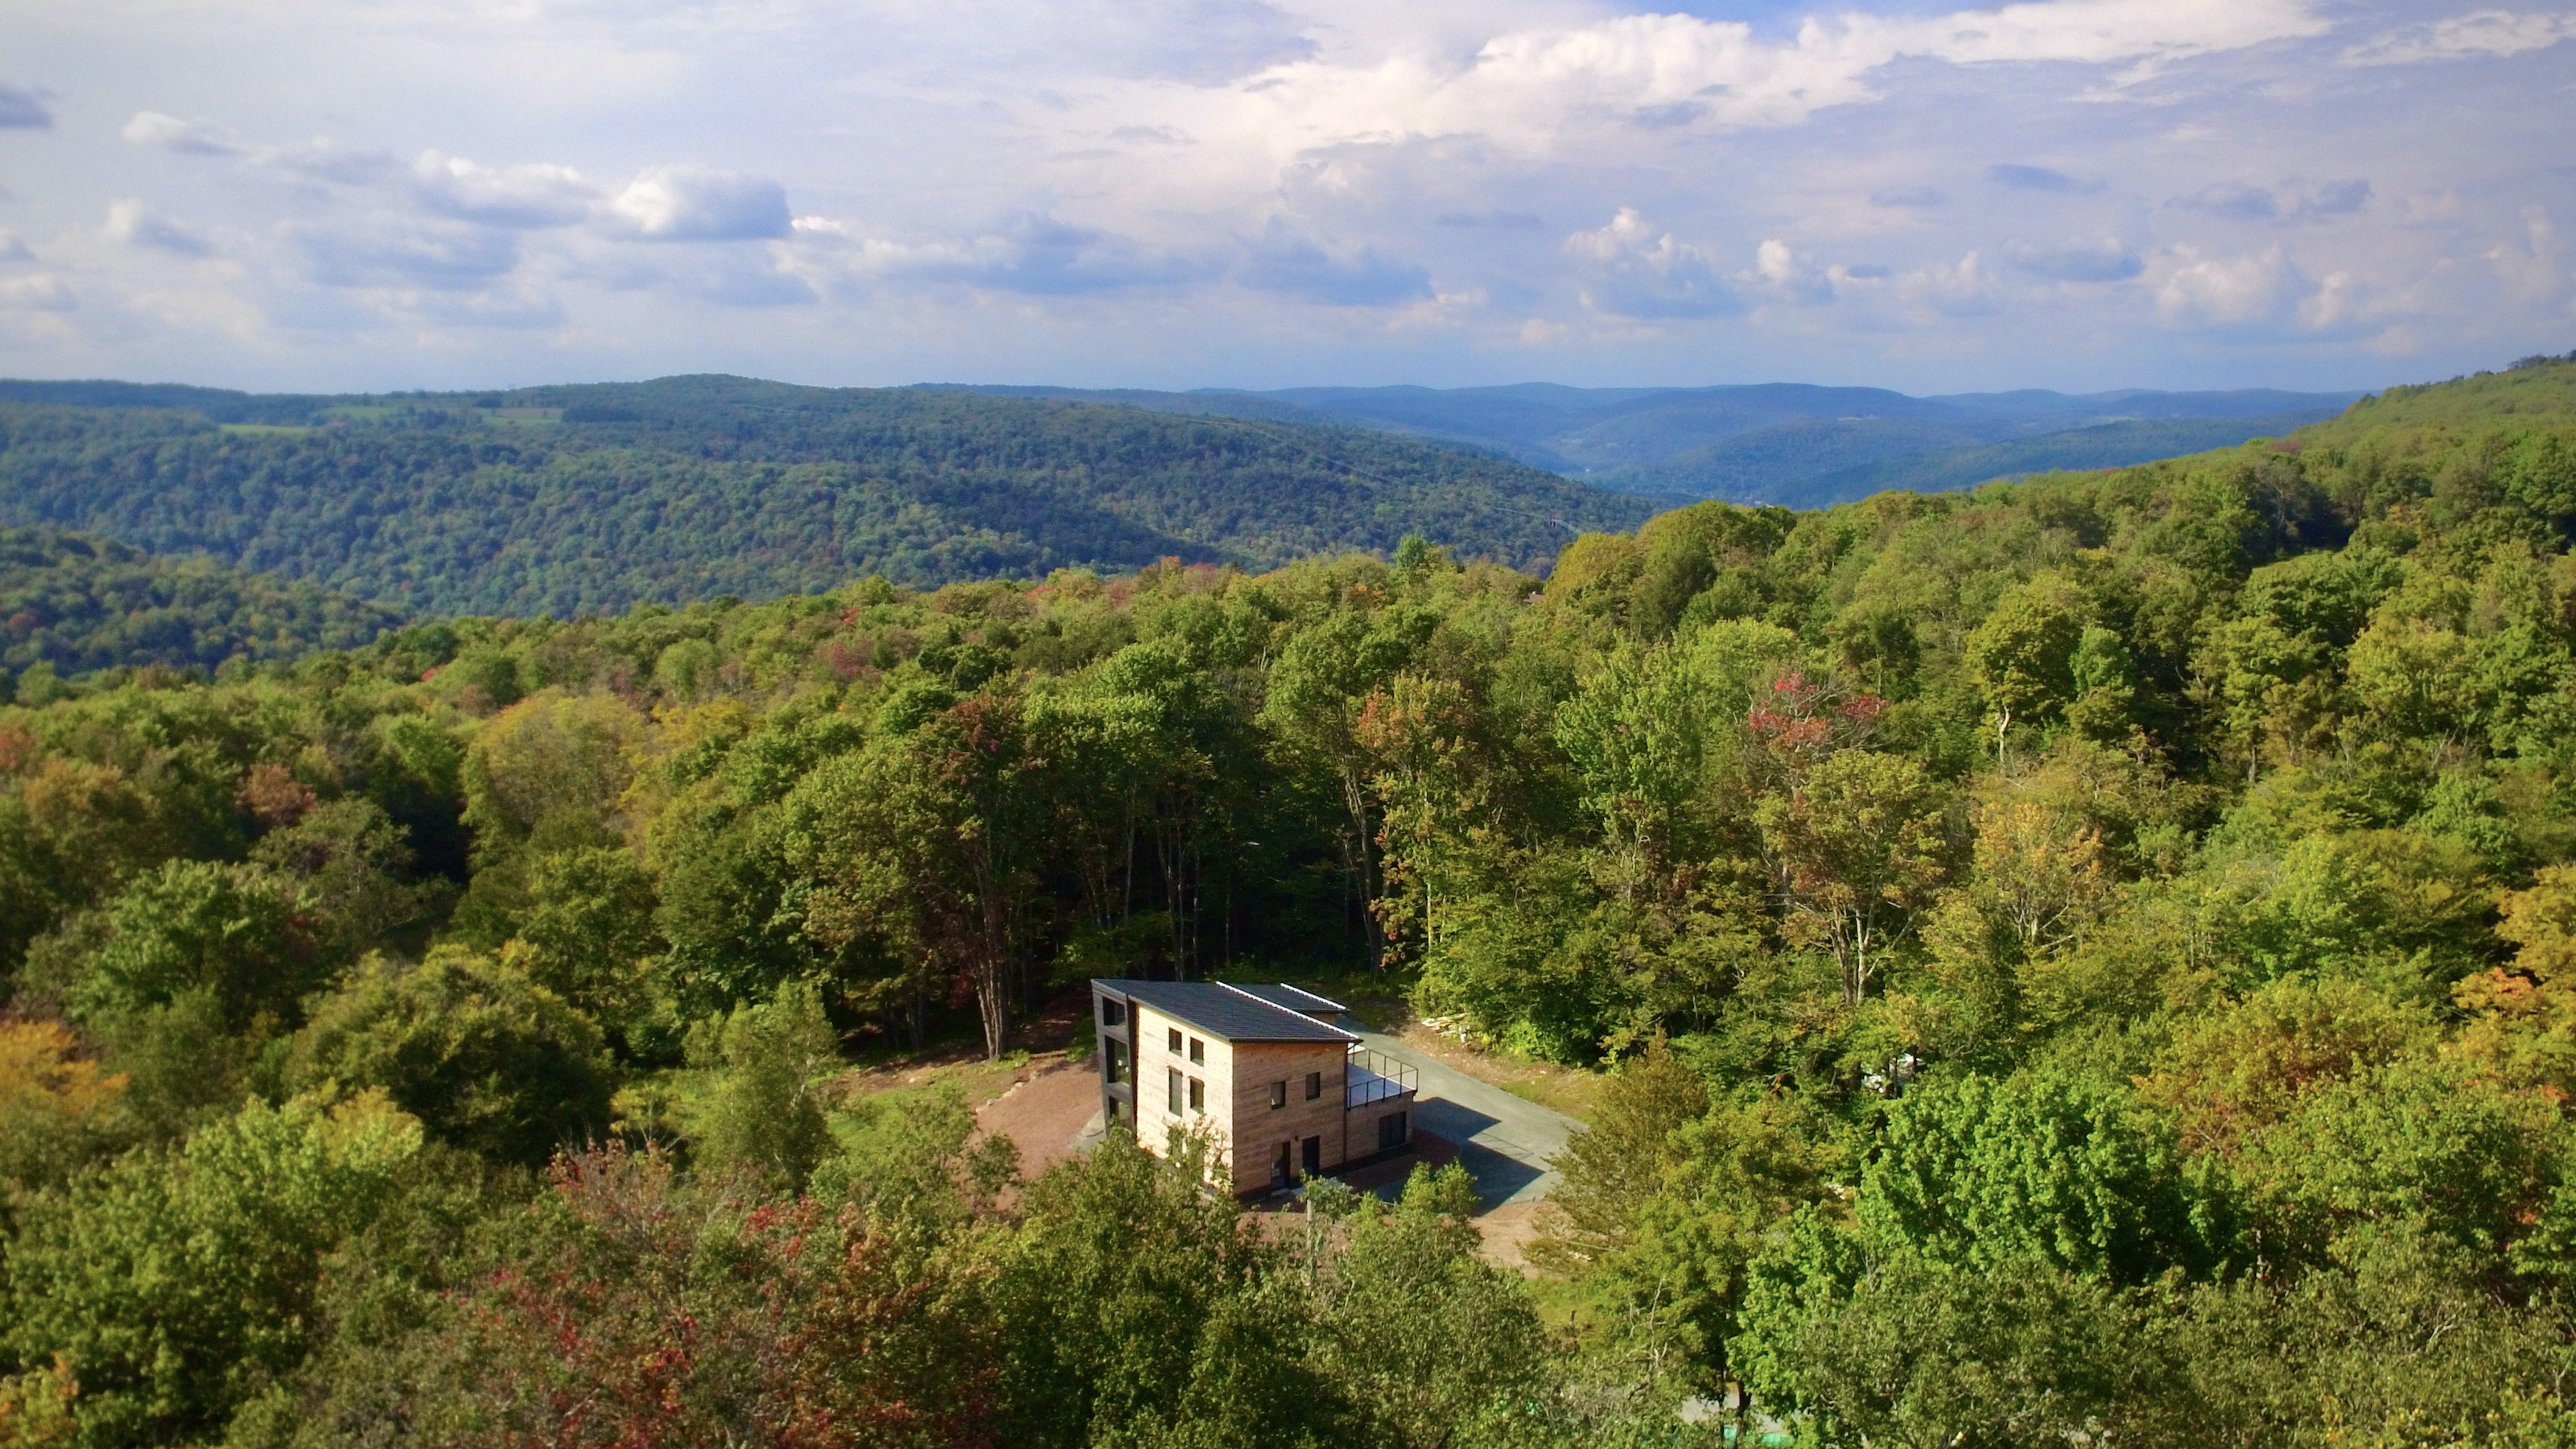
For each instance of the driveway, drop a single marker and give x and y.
(1503, 1141)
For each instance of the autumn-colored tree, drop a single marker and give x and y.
(1856, 849)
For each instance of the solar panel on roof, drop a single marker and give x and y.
(1223, 1011)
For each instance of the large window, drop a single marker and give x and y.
(1176, 1091)
(1314, 1085)
(1390, 1131)
(1278, 1095)
(1113, 1013)
(1172, 1041)
(1113, 1059)
(1198, 1096)
(1198, 1050)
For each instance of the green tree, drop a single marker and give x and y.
(761, 1114)
(588, 928)
(2044, 1165)
(2022, 653)
(176, 1285)
(1319, 686)
(486, 1057)
(1616, 1162)
(1639, 738)
(232, 931)
(1856, 849)
(1432, 1343)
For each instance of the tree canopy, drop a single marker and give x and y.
(2089, 957)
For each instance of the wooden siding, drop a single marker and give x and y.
(1259, 1128)
(1154, 1063)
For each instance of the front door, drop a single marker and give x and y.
(1390, 1131)
(1279, 1175)
(1313, 1152)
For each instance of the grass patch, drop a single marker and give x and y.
(1574, 1092)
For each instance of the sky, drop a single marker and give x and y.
(344, 195)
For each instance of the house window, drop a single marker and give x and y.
(1114, 1060)
(1198, 1050)
(1314, 1085)
(1173, 1038)
(1198, 1096)
(1176, 1091)
(1113, 1013)
(1278, 1095)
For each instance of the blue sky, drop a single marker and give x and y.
(342, 194)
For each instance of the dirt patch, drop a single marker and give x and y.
(1508, 1230)
(1041, 1108)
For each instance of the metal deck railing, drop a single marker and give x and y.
(1374, 1078)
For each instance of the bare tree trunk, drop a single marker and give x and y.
(1355, 797)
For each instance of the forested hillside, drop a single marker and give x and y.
(2085, 960)
(562, 500)
(1819, 464)
(1789, 443)
(74, 604)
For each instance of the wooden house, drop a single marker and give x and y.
(1281, 1090)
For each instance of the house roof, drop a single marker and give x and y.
(1294, 998)
(1224, 1012)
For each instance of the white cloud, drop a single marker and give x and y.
(528, 196)
(138, 225)
(1634, 270)
(2482, 32)
(2245, 290)
(1721, 74)
(188, 138)
(1788, 275)
(687, 203)
(1963, 288)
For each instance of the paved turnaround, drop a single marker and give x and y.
(1505, 1141)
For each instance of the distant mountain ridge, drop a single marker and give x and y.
(561, 500)
(1797, 443)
